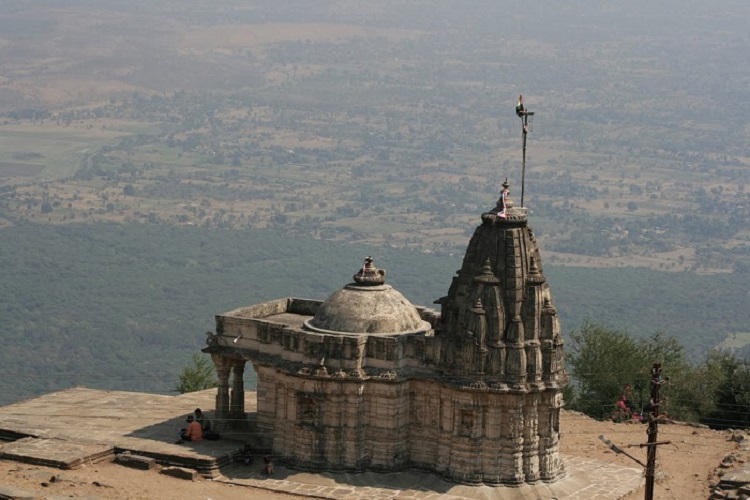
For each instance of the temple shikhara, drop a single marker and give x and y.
(367, 381)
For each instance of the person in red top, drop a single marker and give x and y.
(194, 431)
(622, 410)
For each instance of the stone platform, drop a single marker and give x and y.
(71, 428)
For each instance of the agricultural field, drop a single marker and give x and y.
(343, 122)
(735, 342)
(164, 161)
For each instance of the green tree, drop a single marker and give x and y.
(728, 384)
(603, 360)
(197, 376)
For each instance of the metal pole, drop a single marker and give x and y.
(618, 450)
(653, 427)
(524, 129)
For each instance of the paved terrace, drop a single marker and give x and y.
(76, 427)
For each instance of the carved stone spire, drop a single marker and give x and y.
(535, 277)
(480, 331)
(486, 276)
(503, 268)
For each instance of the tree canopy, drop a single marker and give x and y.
(605, 363)
(197, 376)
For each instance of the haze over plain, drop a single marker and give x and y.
(382, 123)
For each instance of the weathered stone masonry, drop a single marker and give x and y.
(367, 381)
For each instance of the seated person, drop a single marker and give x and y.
(247, 454)
(268, 468)
(193, 433)
(200, 417)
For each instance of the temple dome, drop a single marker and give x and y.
(367, 306)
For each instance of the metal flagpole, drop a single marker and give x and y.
(525, 130)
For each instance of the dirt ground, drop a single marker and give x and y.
(685, 467)
(112, 481)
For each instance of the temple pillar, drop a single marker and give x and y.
(223, 367)
(237, 395)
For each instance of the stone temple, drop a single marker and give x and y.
(367, 381)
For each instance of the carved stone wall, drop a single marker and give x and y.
(366, 381)
(469, 436)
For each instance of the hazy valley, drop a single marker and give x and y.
(359, 127)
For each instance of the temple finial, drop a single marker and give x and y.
(369, 274)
